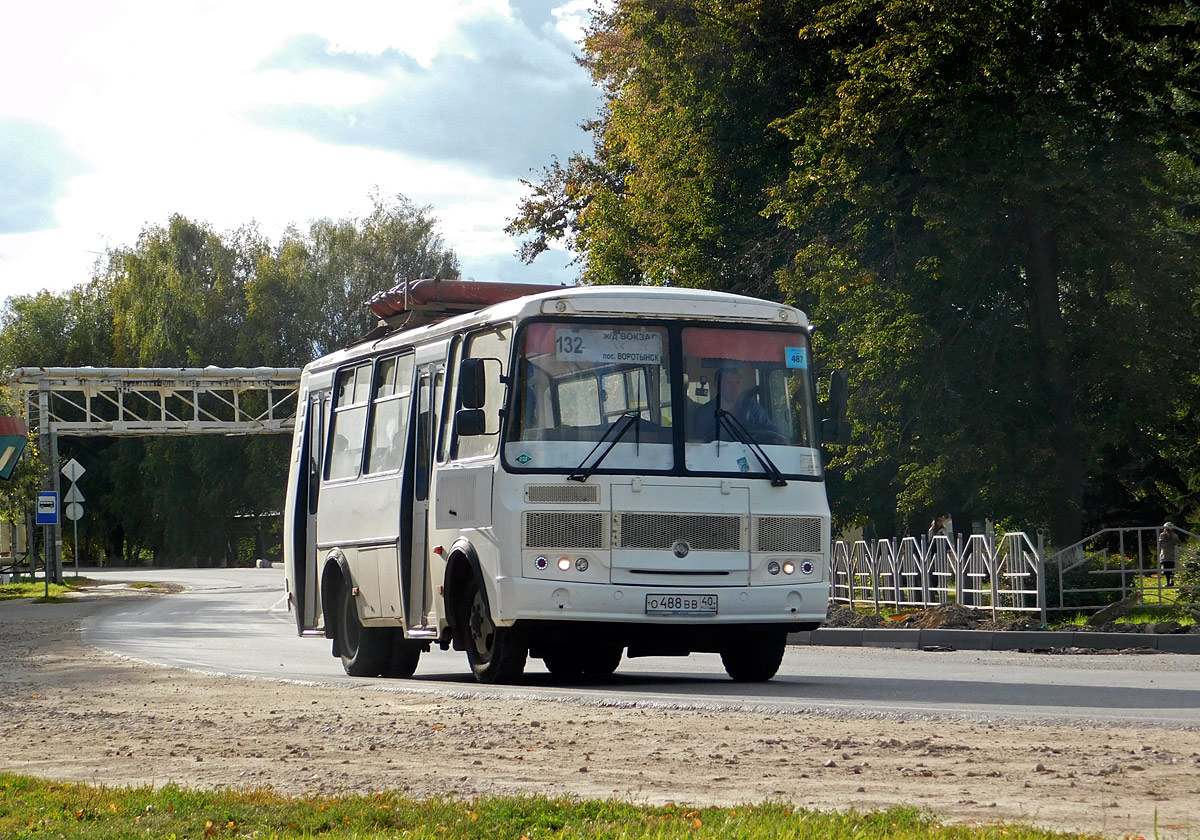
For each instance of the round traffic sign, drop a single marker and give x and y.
(74, 511)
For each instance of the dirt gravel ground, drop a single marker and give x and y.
(69, 711)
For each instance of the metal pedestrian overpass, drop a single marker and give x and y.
(140, 402)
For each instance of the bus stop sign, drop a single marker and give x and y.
(47, 508)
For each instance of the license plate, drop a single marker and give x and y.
(676, 604)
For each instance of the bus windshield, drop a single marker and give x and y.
(612, 391)
(748, 385)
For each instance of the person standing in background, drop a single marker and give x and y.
(1168, 552)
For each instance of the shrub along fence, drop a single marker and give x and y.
(1012, 572)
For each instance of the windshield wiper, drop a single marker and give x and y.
(739, 431)
(630, 418)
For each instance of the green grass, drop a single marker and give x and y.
(1147, 614)
(1140, 616)
(32, 808)
(37, 589)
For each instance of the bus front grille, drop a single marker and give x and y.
(562, 494)
(792, 534)
(564, 529)
(661, 531)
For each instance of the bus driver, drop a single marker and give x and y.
(737, 398)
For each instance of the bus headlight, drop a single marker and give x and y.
(564, 564)
(581, 565)
(773, 568)
(541, 564)
(789, 567)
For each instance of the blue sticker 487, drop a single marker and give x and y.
(796, 357)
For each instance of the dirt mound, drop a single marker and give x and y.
(947, 617)
(941, 617)
(839, 616)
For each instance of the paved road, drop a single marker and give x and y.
(235, 622)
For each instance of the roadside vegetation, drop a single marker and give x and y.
(36, 589)
(32, 808)
(952, 616)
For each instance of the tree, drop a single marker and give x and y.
(684, 154)
(1004, 168)
(321, 279)
(986, 206)
(185, 295)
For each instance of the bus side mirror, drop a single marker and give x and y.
(472, 385)
(470, 421)
(836, 428)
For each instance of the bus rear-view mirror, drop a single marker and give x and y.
(470, 421)
(472, 384)
(836, 428)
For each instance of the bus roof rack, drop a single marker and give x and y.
(428, 300)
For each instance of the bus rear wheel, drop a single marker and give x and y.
(755, 658)
(364, 650)
(496, 654)
(405, 655)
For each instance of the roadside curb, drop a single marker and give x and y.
(996, 640)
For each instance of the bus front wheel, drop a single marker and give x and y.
(756, 658)
(364, 650)
(575, 659)
(496, 654)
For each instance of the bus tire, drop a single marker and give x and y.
(563, 662)
(364, 650)
(496, 654)
(755, 658)
(592, 660)
(601, 660)
(405, 656)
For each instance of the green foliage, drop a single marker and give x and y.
(186, 296)
(988, 163)
(30, 808)
(990, 210)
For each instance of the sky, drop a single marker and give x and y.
(117, 114)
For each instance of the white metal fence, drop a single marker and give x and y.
(1003, 575)
(1114, 563)
(1012, 573)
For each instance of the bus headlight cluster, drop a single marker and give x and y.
(564, 564)
(774, 567)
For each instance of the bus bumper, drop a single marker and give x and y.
(524, 599)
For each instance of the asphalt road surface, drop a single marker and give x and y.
(235, 621)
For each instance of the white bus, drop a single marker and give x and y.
(570, 475)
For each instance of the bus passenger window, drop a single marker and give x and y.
(348, 423)
(389, 421)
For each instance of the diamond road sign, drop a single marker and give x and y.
(72, 470)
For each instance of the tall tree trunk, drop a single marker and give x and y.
(1046, 323)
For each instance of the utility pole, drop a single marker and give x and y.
(51, 533)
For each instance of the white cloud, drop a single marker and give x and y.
(154, 108)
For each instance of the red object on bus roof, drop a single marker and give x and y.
(447, 295)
